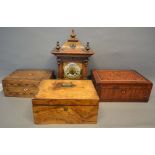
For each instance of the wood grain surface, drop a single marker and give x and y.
(65, 114)
(65, 101)
(56, 89)
(119, 76)
(24, 83)
(121, 86)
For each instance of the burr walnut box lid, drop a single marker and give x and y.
(119, 76)
(66, 92)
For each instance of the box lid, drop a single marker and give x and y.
(66, 92)
(29, 74)
(119, 76)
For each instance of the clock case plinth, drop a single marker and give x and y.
(72, 51)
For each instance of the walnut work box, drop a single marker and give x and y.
(66, 102)
(121, 86)
(24, 83)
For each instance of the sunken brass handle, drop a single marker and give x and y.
(67, 85)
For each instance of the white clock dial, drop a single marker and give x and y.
(72, 71)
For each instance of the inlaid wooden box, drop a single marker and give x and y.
(66, 101)
(24, 83)
(121, 86)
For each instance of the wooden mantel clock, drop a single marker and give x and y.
(72, 58)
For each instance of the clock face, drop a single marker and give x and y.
(72, 70)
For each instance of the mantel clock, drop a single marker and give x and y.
(72, 58)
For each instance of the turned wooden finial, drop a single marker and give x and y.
(87, 46)
(73, 37)
(73, 34)
(57, 45)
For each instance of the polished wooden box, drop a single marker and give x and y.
(24, 83)
(65, 101)
(121, 86)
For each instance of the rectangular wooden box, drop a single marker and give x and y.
(24, 83)
(66, 101)
(121, 86)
